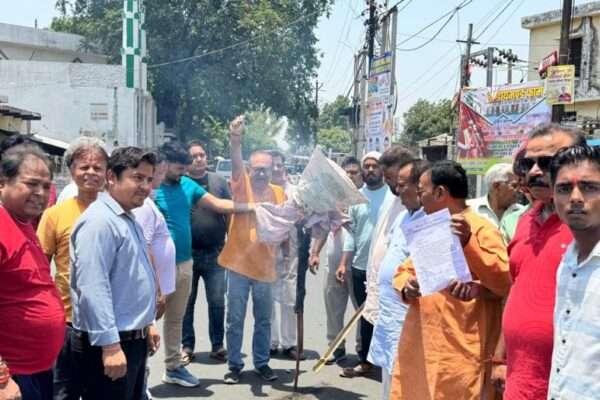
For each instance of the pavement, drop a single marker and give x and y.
(326, 385)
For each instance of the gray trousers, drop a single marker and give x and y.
(336, 300)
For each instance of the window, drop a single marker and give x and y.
(575, 54)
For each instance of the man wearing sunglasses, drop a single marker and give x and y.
(535, 253)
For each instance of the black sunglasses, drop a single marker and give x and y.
(526, 163)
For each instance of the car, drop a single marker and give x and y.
(224, 168)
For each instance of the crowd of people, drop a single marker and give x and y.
(131, 236)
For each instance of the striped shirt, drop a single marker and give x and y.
(576, 353)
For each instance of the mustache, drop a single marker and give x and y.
(537, 181)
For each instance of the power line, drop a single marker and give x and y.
(494, 19)
(235, 45)
(451, 13)
(505, 21)
(433, 37)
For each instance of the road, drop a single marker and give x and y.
(326, 385)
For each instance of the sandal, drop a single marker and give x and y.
(187, 356)
(220, 354)
(360, 370)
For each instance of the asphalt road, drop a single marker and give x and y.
(326, 385)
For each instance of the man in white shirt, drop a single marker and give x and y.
(501, 198)
(575, 175)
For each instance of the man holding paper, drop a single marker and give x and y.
(448, 336)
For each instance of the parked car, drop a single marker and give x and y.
(224, 168)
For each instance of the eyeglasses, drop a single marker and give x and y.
(526, 163)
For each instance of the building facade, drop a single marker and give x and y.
(544, 38)
(75, 92)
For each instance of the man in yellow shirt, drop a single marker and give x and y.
(251, 264)
(448, 337)
(87, 161)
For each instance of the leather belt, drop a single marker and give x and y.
(124, 336)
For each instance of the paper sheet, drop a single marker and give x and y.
(436, 252)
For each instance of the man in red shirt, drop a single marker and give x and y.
(535, 253)
(31, 311)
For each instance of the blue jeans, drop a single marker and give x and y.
(205, 266)
(238, 290)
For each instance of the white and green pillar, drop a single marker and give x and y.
(134, 44)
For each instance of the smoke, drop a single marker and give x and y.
(280, 135)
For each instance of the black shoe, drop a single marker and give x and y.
(338, 355)
(273, 351)
(266, 373)
(292, 354)
(232, 377)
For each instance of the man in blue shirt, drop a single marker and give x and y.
(175, 198)
(356, 248)
(392, 309)
(113, 284)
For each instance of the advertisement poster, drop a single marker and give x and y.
(494, 123)
(560, 84)
(380, 123)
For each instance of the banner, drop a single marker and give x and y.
(494, 123)
(560, 84)
(380, 122)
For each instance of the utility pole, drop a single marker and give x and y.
(318, 87)
(509, 72)
(363, 104)
(563, 51)
(372, 22)
(466, 59)
(489, 81)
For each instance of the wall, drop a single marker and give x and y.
(80, 99)
(30, 44)
(544, 38)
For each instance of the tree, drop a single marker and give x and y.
(332, 113)
(425, 119)
(245, 54)
(336, 139)
(333, 126)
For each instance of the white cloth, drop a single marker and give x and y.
(379, 246)
(575, 373)
(283, 327)
(159, 240)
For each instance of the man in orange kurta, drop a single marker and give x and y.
(448, 337)
(251, 263)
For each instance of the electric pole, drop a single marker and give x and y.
(563, 51)
(466, 59)
(372, 22)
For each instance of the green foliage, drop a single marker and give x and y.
(331, 114)
(426, 119)
(333, 126)
(269, 57)
(336, 139)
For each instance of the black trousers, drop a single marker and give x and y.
(68, 383)
(359, 282)
(36, 386)
(87, 359)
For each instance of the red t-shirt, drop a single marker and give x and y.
(32, 317)
(535, 254)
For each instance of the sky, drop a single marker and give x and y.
(430, 72)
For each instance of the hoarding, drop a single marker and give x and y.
(560, 84)
(380, 121)
(494, 123)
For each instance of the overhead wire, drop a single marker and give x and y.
(451, 13)
(235, 45)
(494, 19)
